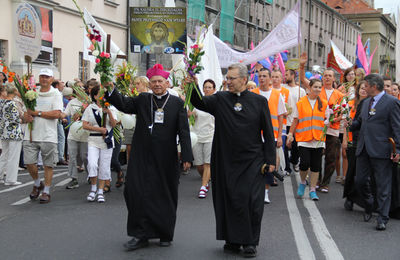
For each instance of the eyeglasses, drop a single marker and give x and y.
(231, 78)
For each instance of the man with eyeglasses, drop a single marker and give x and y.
(243, 144)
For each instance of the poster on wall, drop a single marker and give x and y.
(158, 30)
(46, 21)
(28, 33)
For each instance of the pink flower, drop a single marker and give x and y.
(194, 66)
(97, 60)
(107, 55)
(102, 54)
(194, 46)
(91, 47)
(93, 41)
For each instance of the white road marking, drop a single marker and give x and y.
(29, 183)
(300, 236)
(326, 242)
(42, 171)
(62, 183)
(20, 202)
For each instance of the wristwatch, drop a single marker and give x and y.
(39, 114)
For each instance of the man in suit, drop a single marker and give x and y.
(379, 120)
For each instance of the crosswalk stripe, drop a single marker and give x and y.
(326, 242)
(300, 236)
(20, 202)
(30, 183)
(62, 183)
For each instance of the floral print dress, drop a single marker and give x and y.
(10, 123)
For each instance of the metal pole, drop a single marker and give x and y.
(309, 29)
(148, 55)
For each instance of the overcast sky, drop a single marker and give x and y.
(389, 6)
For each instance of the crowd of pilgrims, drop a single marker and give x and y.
(247, 137)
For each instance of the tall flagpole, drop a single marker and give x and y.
(299, 45)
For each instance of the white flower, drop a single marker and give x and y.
(201, 46)
(31, 95)
(96, 53)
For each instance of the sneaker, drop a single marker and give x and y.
(338, 179)
(100, 198)
(16, 183)
(300, 190)
(21, 169)
(266, 198)
(313, 196)
(202, 192)
(208, 187)
(73, 184)
(91, 196)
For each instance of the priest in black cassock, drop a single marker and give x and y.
(243, 143)
(151, 189)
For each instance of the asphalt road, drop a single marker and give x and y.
(71, 228)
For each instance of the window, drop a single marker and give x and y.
(316, 16)
(57, 58)
(83, 68)
(321, 19)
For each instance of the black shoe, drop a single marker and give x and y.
(165, 243)
(348, 205)
(136, 243)
(249, 251)
(367, 216)
(381, 226)
(229, 247)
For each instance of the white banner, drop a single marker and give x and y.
(286, 34)
(341, 60)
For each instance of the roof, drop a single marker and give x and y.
(350, 6)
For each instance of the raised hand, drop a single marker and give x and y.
(303, 58)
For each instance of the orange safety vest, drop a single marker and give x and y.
(334, 99)
(285, 94)
(311, 121)
(352, 115)
(273, 103)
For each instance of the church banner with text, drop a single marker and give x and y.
(158, 30)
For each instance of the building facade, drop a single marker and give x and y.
(65, 33)
(378, 27)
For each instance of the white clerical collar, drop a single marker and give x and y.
(160, 96)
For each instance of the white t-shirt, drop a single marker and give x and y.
(314, 143)
(293, 99)
(88, 116)
(204, 126)
(73, 107)
(45, 130)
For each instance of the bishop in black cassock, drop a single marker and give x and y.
(243, 142)
(151, 190)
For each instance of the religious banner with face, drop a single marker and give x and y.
(158, 30)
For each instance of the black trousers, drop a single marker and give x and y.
(381, 171)
(115, 164)
(310, 158)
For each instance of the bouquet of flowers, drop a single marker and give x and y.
(192, 64)
(336, 112)
(106, 105)
(125, 76)
(84, 98)
(103, 59)
(25, 86)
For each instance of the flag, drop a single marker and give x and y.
(367, 48)
(114, 49)
(285, 35)
(281, 64)
(336, 60)
(361, 57)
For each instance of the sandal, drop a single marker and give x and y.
(107, 188)
(91, 197)
(120, 180)
(100, 198)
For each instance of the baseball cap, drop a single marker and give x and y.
(46, 72)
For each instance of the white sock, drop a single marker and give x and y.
(100, 191)
(37, 182)
(93, 188)
(46, 189)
